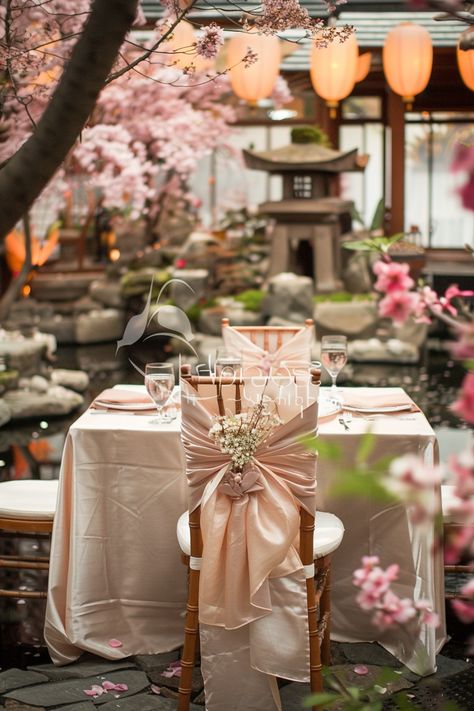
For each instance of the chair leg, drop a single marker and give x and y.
(306, 554)
(191, 630)
(325, 617)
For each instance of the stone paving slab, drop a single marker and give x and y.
(83, 668)
(174, 681)
(19, 678)
(13, 705)
(67, 692)
(82, 706)
(145, 702)
(152, 662)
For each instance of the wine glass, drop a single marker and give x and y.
(159, 382)
(228, 363)
(334, 357)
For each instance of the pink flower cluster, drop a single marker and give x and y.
(210, 42)
(461, 507)
(464, 405)
(399, 303)
(413, 481)
(465, 608)
(389, 609)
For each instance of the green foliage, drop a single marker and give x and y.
(339, 297)
(251, 299)
(377, 218)
(310, 134)
(380, 245)
(194, 311)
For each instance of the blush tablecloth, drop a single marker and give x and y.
(116, 570)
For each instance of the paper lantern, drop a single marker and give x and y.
(181, 49)
(257, 80)
(466, 66)
(333, 71)
(40, 251)
(363, 66)
(408, 60)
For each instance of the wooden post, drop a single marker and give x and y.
(396, 122)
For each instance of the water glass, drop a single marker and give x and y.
(334, 356)
(228, 363)
(159, 382)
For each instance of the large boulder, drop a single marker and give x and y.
(25, 404)
(22, 354)
(391, 351)
(354, 319)
(194, 288)
(5, 412)
(62, 327)
(74, 379)
(107, 292)
(99, 326)
(61, 287)
(290, 297)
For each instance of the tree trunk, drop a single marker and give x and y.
(29, 170)
(17, 284)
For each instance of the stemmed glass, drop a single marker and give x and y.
(334, 357)
(228, 363)
(159, 382)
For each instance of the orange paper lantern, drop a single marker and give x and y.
(257, 80)
(364, 62)
(333, 70)
(466, 66)
(408, 60)
(40, 251)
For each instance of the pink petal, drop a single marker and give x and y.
(121, 687)
(115, 643)
(361, 669)
(108, 685)
(175, 665)
(155, 689)
(95, 690)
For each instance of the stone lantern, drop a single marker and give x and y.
(309, 222)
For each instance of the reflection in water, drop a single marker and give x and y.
(34, 449)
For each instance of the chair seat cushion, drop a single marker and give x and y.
(28, 499)
(448, 505)
(328, 533)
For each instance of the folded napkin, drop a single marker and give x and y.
(113, 396)
(365, 399)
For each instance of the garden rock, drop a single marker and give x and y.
(290, 296)
(61, 327)
(25, 404)
(23, 355)
(5, 413)
(391, 351)
(99, 326)
(354, 319)
(61, 287)
(107, 292)
(197, 283)
(74, 379)
(210, 320)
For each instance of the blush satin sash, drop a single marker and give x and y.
(296, 350)
(251, 572)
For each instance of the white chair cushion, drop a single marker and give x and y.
(328, 534)
(28, 499)
(448, 502)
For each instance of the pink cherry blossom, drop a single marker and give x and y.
(464, 405)
(212, 39)
(392, 276)
(95, 691)
(464, 162)
(464, 609)
(361, 669)
(115, 643)
(463, 348)
(413, 481)
(398, 305)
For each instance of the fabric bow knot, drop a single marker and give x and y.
(236, 484)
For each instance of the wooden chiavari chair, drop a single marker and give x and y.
(320, 536)
(270, 338)
(27, 509)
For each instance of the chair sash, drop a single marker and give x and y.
(296, 350)
(250, 533)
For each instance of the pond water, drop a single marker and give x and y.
(34, 450)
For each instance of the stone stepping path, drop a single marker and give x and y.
(46, 687)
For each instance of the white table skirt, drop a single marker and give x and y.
(116, 569)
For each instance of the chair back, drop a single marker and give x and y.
(269, 338)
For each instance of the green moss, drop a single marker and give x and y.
(310, 134)
(194, 311)
(251, 299)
